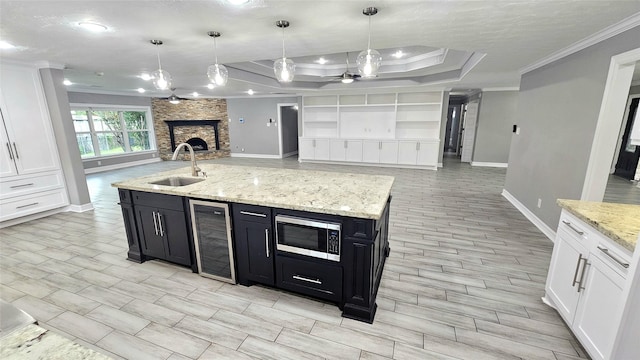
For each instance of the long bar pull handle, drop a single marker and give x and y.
(16, 148)
(606, 252)
(266, 241)
(575, 274)
(572, 228)
(155, 222)
(160, 224)
(253, 214)
(21, 185)
(315, 281)
(584, 268)
(10, 152)
(24, 206)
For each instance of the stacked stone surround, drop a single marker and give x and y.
(198, 109)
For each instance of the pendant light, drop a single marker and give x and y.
(217, 73)
(161, 78)
(369, 60)
(284, 68)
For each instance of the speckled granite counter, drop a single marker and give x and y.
(34, 342)
(620, 222)
(353, 195)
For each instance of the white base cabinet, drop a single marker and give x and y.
(585, 284)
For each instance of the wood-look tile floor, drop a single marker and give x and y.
(463, 281)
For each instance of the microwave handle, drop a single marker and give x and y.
(266, 241)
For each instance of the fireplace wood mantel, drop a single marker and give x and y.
(176, 123)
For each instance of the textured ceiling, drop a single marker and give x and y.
(512, 34)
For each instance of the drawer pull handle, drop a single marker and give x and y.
(253, 214)
(606, 252)
(19, 186)
(575, 274)
(24, 206)
(315, 281)
(572, 228)
(266, 241)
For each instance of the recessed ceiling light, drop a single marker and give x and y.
(92, 26)
(322, 61)
(141, 90)
(145, 76)
(398, 54)
(67, 82)
(238, 2)
(250, 92)
(210, 86)
(195, 94)
(6, 45)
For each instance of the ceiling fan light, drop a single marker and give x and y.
(284, 69)
(368, 62)
(161, 79)
(218, 74)
(174, 101)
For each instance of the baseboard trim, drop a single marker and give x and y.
(290, 154)
(489, 164)
(256, 156)
(421, 167)
(440, 165)
(549, 232)
(80, 208)
(98, 169)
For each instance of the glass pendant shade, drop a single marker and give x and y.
(218, 74)
(368, 62)
(161, 79)
(284, 69)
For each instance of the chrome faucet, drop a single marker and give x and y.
(194, 167)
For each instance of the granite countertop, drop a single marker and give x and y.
(33, 342)
(620, 222)
(352, 195)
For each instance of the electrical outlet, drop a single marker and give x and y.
(242, 149)
(539, 203)
(518, 130)
(99, 163)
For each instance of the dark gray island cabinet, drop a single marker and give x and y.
(333, 252)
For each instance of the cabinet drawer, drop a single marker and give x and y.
(30, 185)
(310, 278)
(613, 255)
(171, 202)
(575, 228)
(27, 205)
(255, 213)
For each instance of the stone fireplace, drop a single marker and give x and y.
(201, 123)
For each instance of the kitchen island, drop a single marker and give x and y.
(275, 220)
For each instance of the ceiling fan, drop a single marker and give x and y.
(347, 77)
(174, 99)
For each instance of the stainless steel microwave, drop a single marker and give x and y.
(315, 238)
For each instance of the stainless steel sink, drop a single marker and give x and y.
(176, 181)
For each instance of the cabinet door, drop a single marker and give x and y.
(322, 149)
(173, 229)
(596, 321)
(428, 153)
(306, 149)
(407, 152)
(371, 151)
(7, 165)
(567, 263)
(254, 252)
(151, 243)
(338, 149)
(354, 151)
(389, 152)
(27, 119)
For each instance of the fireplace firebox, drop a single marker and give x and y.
(200, 143)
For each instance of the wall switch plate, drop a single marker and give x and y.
(539, 203)
(518, 131)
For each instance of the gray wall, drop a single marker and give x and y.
(495, 121)
(60, 113)
(289, 130)
(102, 99)
(634, 89)
(253, 135)
(558, 108)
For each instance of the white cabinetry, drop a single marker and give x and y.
(585, 283)
(313, 149)
(400, 129)
(30, 178)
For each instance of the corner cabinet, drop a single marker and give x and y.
(585, 284)
(31, 176)
(255, 250)
(396, 129)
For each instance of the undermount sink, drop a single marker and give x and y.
(176, 181)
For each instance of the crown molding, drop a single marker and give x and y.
(504, 88)
(604, 34)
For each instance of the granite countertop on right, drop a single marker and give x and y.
(620, 222)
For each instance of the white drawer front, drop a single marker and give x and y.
(28, 205)
(30, 185)
(576, 228)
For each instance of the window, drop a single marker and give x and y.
(112, 131)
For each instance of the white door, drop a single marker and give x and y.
(388, 152)
(322, 149)
(371, 151)
(306, 149)
(469, 133)
(337, 149)
(408, 152)
(428, 153)
(354, 151)
(7, 165)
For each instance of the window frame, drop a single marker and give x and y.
(90, 108)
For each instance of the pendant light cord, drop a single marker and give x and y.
(283, 56)
(158, 53)
(369, 42)
(215, 49)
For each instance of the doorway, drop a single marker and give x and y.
(453, 131)
(628, 155)
(288, 129)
